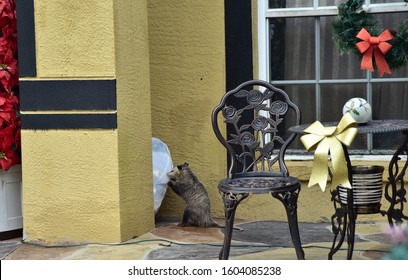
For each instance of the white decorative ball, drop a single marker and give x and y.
(359, 108)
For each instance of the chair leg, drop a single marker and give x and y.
(289, 200)
(339, 221)
(231, 202)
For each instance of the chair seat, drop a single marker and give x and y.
(259, 185)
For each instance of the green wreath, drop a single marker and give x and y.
(352, 18)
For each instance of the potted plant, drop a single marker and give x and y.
(10, 144)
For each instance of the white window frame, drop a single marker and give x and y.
(264, 14)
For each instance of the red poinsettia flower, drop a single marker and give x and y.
(8, 71)
(8, 107)
(7, 159)
(10, 133)
(7, 12)
(8, 156)
(17, 131)
(9, 39)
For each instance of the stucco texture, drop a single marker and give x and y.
(68, 193)
(74, 38)
(187, 66)
(134, 117)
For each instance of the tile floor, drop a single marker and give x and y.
(259, 240)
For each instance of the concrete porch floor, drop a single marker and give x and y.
(259, 240)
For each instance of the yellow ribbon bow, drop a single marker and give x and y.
(330, 140)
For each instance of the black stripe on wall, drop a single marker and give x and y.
(26, 38)
(69, 121)
(68, 95)
(238, 42)
(238, 50)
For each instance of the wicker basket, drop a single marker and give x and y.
(367, 188)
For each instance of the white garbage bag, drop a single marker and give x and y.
(162, 164)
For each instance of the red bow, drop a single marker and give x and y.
(379, 46)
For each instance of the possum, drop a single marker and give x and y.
(185, 183)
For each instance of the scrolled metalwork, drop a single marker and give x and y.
(260, 123)
(229, 113)
(278, 108)
(289, 201)
(231, 201)
(255, 97)
(258, 141)
(395, 192)
(339, 223)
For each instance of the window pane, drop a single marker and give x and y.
(385, 1)
(330, 2)
(387, 141)
(392, 22)
(273, 4)
(289, 3)
(304, 97)
(333, 98)
(390, 101)
(359, 145)
(292, 53)
(332, 64)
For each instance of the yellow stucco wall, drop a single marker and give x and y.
(75, 38)
(134, 117)
(91, 184)
(187, 67)
(70, 192)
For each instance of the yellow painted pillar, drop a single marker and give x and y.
(86, 120)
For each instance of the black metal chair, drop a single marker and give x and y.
(256, 148)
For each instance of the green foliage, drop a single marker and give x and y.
(398, 55)
(350, 21)
(352, 18)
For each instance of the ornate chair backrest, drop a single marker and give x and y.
(255, 141)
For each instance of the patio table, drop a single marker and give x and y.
(344, 218)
